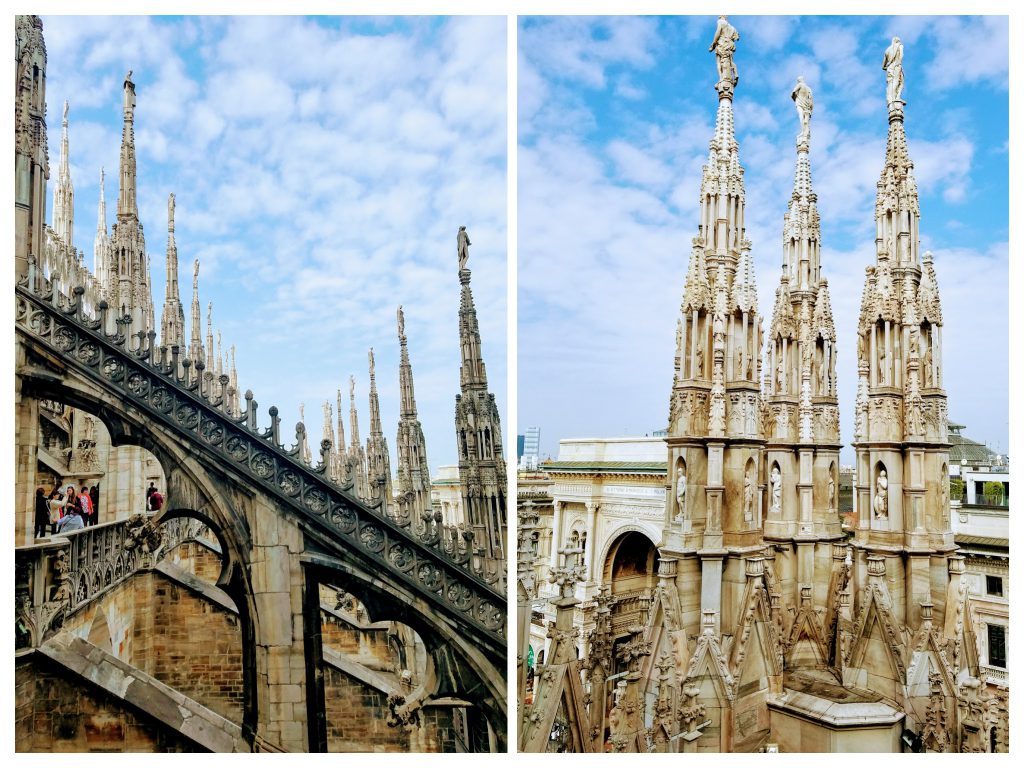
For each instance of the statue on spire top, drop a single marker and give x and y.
(463, 244)
(892, 63)
(724, 46)
(401, 321)
(804, 98)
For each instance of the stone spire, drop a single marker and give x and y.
(127, 206)
(172, 320)
(802, 409)
(901, 427)
(195, 350)
(233, 383)
(715, 436)
(101, 243)
(356, 455)
(64, 191)
(341, 427)
(473, 373)
(209, 338)
(128, 279)
(482, 471)
(378, 459)
(413, 480)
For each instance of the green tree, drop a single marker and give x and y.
(956, 489)
(993, 491)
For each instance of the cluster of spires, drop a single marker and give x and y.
(121, 274)
(121, 278)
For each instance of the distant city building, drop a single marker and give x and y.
(531, 449)
(520, 439)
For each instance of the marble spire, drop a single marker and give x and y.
(129, 286)
(101, 243)
(172, 319)
(800, 392)
(127, 206)
(195, 350)
(482, 473)
(356, 454)
(209, 338)
(64, 191)
(413, 480)
(378, 459)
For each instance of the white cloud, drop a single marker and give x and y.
(321, 175)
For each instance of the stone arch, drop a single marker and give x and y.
(457, 667)
(631, 560)
(197, 493)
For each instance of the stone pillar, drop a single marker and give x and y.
(592, 508)
(26, 421)
(556, 532)
(278, 584)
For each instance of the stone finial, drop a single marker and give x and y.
(401, 322)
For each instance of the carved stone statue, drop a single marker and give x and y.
(883, 371)
(804, 99)
(680, 494)
(370, 359)
(195, 277)
(831, 493)
(748, 497)
(881, 501)
(892, 63)
(776, 488)
(401, 321)
(926, 367)
(724, 46)
(463, 244)
(698, 372)
(778, 377)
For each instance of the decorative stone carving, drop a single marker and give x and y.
(462, 243)
(680, 495)
(880, 503)
(776, 483)
(748, 495)
(724, 47)
(804, 99)
(892, 63)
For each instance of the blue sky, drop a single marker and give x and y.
(615, 115)
(321, 167)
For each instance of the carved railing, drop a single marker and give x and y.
(57, 577)
(420, 554)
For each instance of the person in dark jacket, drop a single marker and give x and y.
(42, 513)
(94, 494)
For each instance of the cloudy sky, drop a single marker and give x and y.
(322, 167)
(615, 116)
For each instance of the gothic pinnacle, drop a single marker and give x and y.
(64, 191)
(126, 199)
